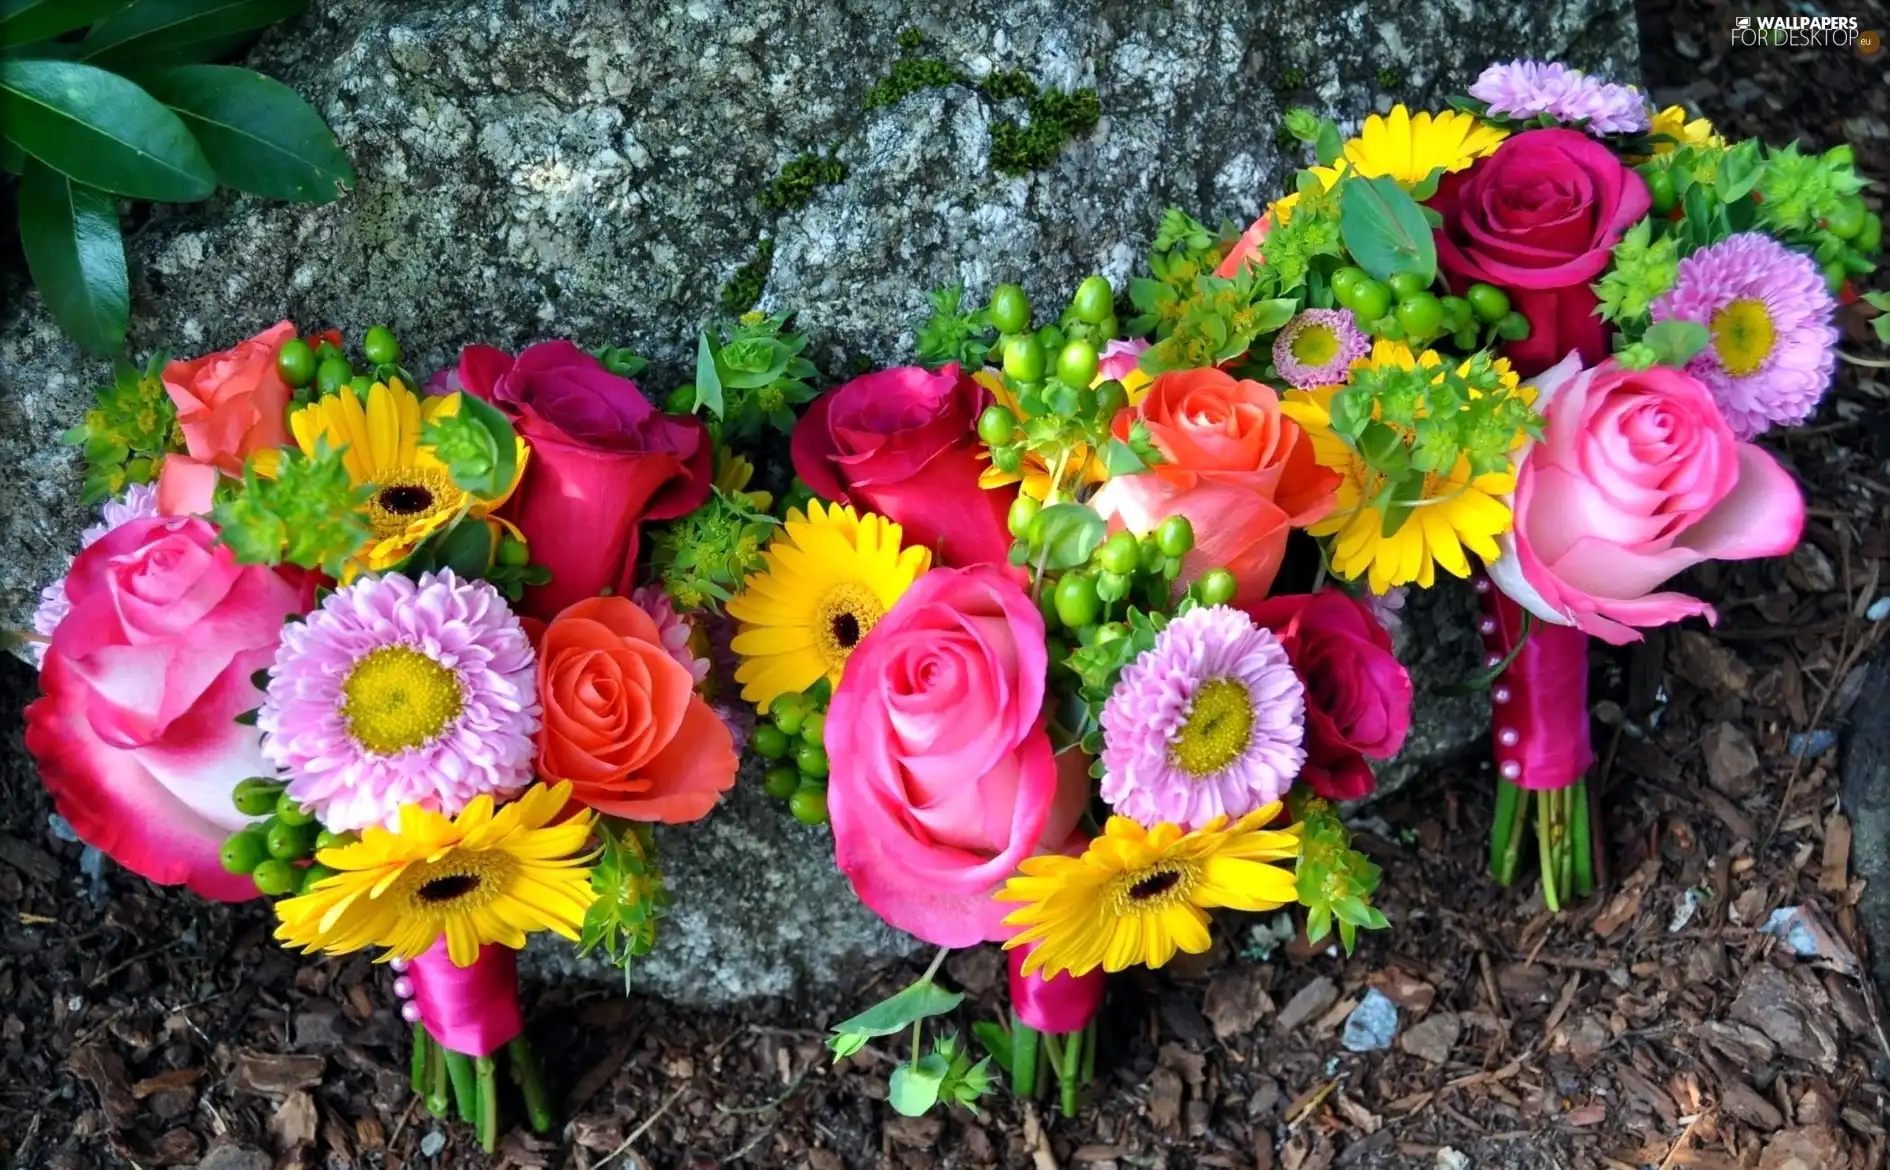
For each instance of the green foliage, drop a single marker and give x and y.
(127, 434)
(1880, 324)
(1055, 119)
(910, 75)
(631, 896)
(752, 379)
(894, 1014)
(1335, 881)
(1389, 78)
(1384, 229)
(1291, 78)
(703, 558)
(1643, 268)
(944, 1074)
(478, 446)
(744, 288)
(950, 334)
(1319, 133)
(1008, 85)
(80, 131)
(799, 179)
(1183, 249)
(910, 40)
(307, 515)
(1799, 191)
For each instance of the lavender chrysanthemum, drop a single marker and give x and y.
(1774, 347)
(1388, 608)
(1318, 347)
(674, 629)
(400, 692)
(1208, 723)
(1528, 89)
(138, 503)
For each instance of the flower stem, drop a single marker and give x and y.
(421, 1043)
(1503, 830)
(459, 1070)
(1069, 1077)
(525, 1074)
(438, 1099)
(486, 1103)
(1582, 839)
(1023, 1057)
(1089, 1051)
(1546, 802)
(1510, 860)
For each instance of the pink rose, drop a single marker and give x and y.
(943, 777)
(1358, 696)
(230, 405)
(603, 461)
(903, 443)
(1636, 478)
(136, 734)
(1539, 218)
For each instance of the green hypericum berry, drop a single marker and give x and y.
(289, 842)
(1120, 553)
(326, 350)
(314, 873)
(789, 721)
(1488, 302)
(256, 796)
(1023, 511)
(1076, 364)
(1216, 587)
(1094, 300)
(1150, 555)
(781, 782)
(814, 729)
(333, 374)
(328, 839)
(1078, 604)
(1345, 281)
(1404, 284)
(295, 361)
(275, 877)
(1111, 397)
(1023, 359)
(1175, 537)
(1660, 191)
(380, 347)
(1010, 309)
(770, 742)
(244, 851)
(996, 425)
(290, 813)
(1421, 315)
(1371, 299)
(812, 760)
(514, 554)
(809, 804)
(1513, 327)
(1457, 313)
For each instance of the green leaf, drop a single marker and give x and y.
(896, 1013)
(1739, 171)
(12, 158)
(126, 40)
(996, 1039)
(24, 21)
(1384, 230)
(77, 256)
(913, 1088)
(477, 445)
(259, 136)
(1069, 533)
(465, 548)
(1676, 342)
(1271, 314)
(101, 130)
(708, 381)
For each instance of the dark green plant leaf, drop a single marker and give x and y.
(76, 255)
(258, 135)
(125, 40)
(24, 21)
(1384, 229)
(12, 158)
(1067, 534)
(996, 1039)
(708, 378)
(898, 1012)
(101, 130)
(913, 1088)
(478, 446)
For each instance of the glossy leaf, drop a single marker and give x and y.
(77, 256)
(24, 21)
(1384, 229)
(898, 1012)
(259, 136)
(125, 40)
(102, 131)
(708, 378)
(914, 1088)
(1065, 534)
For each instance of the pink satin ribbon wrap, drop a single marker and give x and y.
(473, 1010)
(1539, 705)
(1058, 1005)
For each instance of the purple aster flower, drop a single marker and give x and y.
(1528, 89)
(674, 629)
(1774, 346)
(400, 692)
(1208, 723)
(1388, 608)
(138, 503)
(1318, 347)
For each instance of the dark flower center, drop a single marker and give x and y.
(406, 499)
(449, 888)
(1155, 885)
(846, 630)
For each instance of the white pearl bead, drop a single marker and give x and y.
(410, 1012)
(1508, 737)
(1510, 770)
(403, 987)
(1486, 627)
(1490, 661)
(1482, 585)
(399, 966)
(1499, 695)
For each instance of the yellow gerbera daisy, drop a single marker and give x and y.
(1282, 208)
(733, 473)
(1032, 473)
(485, 876)
(829, 576)
(1409, 147)
(414, 496)
(1139, 895)
(1455, 511)
(1674, 123)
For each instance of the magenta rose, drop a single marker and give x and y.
(603, 461)
(943, 777)
(135, 733)
(1358, 696)
(1539, 219)
(1637, 477)
(903, 443)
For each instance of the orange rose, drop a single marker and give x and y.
(230, 405)
(622, 720)
(1240, 471)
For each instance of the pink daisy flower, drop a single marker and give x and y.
(1208, 723)
(138, 503)
(1318, 347)
(400, 692)
(1774, 347)
(674, 629)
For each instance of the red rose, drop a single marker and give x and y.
(1538, 218)
(1358, 696)
(903, 443)
(603, 461)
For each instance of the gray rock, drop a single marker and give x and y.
(591, 170)
(1866, 800)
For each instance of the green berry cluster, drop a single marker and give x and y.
(793, 740)
(278, 854)
(1406, 309)
(325, 367)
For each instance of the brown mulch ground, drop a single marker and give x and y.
(1653, 1026)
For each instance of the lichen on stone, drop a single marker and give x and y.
(795, 185)
(1055, 119)
(744, 288)
(910, 75)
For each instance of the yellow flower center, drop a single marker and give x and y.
(410, 495)
(1742, 335)
(1315, 345)
(1152, 889)
(1217, 731)
(845, 615)
(397, 698)
(459, 882)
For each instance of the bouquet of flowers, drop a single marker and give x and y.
(378, 655)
